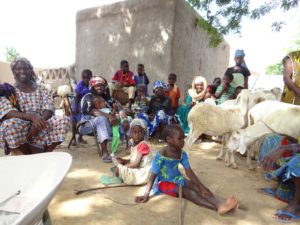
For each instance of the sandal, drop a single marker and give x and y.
(106, 159)
(292, 217)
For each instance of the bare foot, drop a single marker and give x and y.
(227, 206)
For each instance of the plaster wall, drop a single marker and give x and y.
(161, 34)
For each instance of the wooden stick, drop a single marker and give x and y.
(78, 192)
(181, 206)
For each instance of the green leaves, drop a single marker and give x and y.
(221, 17)
(11, 54)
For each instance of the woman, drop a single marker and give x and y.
(98, 118)
(33, 127)
(291, 78)
(160, 110)
(282, 162)
(197, 93)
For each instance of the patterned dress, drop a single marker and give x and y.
(137, 175)
(162, 108)
(13, 131)
(168, 175)
(284, 169)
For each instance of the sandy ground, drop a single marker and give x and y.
(116, 206)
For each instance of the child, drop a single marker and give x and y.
(141, 101)
(123, 79)
(9, 92)
(225, 91)
(81, 89)
(141, 78)
(136, 170)
(166, 177)
(237, 91)
(173, 91)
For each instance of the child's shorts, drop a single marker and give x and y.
(168, 188)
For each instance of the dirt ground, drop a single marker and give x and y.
(116, 206)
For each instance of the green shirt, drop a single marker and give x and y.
(226, 95)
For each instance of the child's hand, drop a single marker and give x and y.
(141, 199)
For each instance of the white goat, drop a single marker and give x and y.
(283, 119)
(216, 121)
(243, 138)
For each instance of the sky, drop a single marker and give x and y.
(44, 32)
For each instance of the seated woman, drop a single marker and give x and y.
(160, 110)
(197, 93)
(33, 127)
(281, 160)
(99, 119)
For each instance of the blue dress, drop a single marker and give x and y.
(167, 170)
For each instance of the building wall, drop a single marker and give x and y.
(139, 31)
(191, 54)
(6, 74)
(161, 34)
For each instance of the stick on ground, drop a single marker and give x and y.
(78, 192)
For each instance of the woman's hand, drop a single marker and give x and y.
(142, 199)
(269, 160)
(38, 122)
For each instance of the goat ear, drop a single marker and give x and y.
(242, 145)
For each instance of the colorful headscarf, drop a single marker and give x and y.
(97, 80)
(239, 53)
(28, 64)
(192, 92)
(158, 84)
(139, 122)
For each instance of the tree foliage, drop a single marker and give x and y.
(11, 54)
(275, 69)
(221, 17)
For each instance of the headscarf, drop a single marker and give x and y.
(139, 122)
(192, 91)
(97, 80)
(27, 63)
(158, 84)
(239, 53)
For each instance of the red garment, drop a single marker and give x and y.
(143, 148)
(174, 94)
(124, 78)
(167, 188)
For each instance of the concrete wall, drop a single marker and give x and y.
(191, 54)
(161, 34)
(6, 74)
